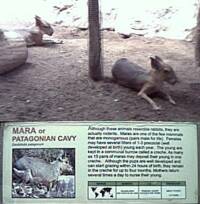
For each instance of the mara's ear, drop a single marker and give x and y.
(158, 58)
(60, 159)
(37, 20)
(155, 63)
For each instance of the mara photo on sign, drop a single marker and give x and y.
(43, 173)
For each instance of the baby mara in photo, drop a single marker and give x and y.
(131, 75)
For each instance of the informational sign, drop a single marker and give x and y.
(103, 162)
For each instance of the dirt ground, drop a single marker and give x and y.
(54, 84)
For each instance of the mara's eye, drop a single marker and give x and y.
(166, 71)
(46, 26)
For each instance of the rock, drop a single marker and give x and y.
(125, 36)
(13, 51)
(60, 109)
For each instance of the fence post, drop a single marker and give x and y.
(95, 66)
(197, 41)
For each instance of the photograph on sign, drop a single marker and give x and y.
(36, 177)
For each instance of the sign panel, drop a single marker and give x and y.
(107, 162)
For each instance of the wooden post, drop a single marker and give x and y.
(95, 66)
(196, 85)
(197, 41)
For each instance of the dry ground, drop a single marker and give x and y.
(54, 84)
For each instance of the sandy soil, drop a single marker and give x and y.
(54, 84)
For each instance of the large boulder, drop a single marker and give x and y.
(13, 52)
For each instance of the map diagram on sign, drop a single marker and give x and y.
(101, 192)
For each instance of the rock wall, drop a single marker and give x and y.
(167, 18)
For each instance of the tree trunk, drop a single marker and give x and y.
(197, 41)
(95, 66)
(13, 53)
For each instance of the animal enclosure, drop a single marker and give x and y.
(54, 83)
